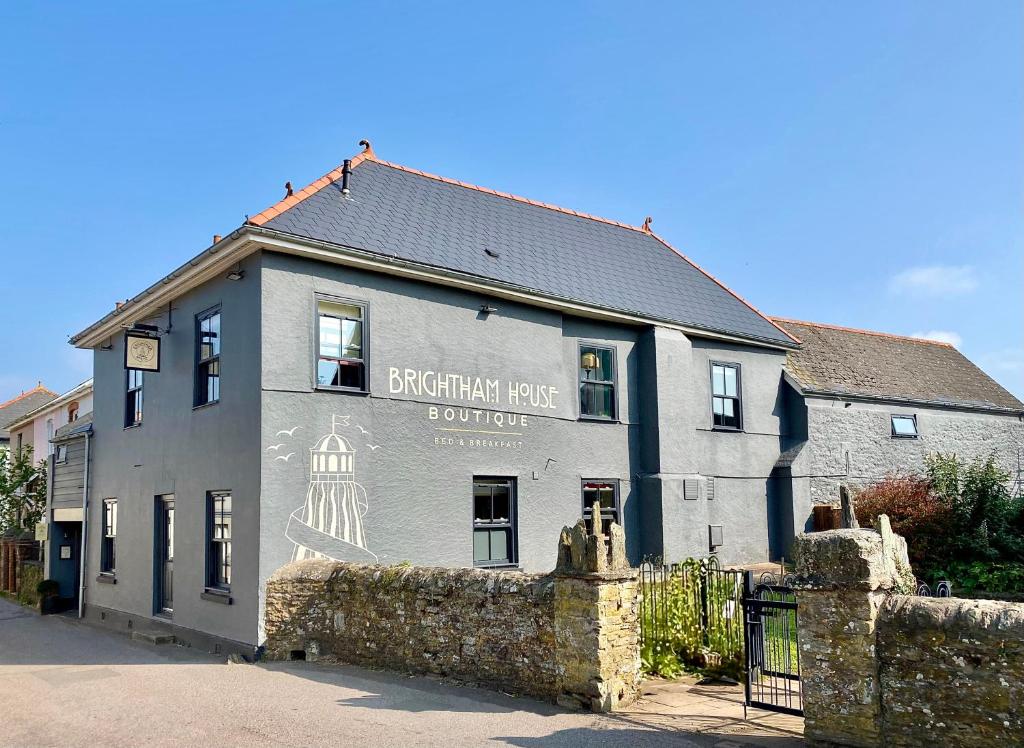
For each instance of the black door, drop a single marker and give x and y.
(165, 554)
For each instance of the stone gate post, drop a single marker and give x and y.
(597, 626)
(843, 576)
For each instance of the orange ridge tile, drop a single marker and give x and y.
(38, 388)
(859, 331)
(728, 290)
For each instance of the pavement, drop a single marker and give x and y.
(64, 683)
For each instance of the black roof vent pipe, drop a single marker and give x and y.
(346, 175)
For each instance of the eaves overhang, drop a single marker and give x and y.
(247, 239)
(846, 396)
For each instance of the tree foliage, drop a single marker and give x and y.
(22, 490)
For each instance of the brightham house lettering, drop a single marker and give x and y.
(470, 389)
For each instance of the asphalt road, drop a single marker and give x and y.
(63, 683)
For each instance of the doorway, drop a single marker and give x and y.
(164, 568)
(64, 562)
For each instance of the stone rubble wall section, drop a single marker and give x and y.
(495, 629)
(597, 630)
(881, 668)
(952, 672)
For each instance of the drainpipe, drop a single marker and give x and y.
(85, 528)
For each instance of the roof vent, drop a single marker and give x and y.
(288, 191)
(346, 176)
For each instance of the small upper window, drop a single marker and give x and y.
(73, 412)
(61, 455)
(904, 427)
(597, 382)
(341, 354)
(208, 340)
(133, 398)
(725, 396)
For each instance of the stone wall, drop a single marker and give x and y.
(570, 637)
(951, 671)
(863, 432)
(882, 668)
(492, 628)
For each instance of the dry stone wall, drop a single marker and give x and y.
(951, 672)
(571, 637)
(491, 628)
(882, 668)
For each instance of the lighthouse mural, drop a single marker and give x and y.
(330, 522)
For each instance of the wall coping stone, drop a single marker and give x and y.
(957, 614)
(852, 559)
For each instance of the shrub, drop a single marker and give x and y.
(960, 521)
(48, 588)
(981, 575)
(987, 521)
(916, 513)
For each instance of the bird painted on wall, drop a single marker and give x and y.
(275, 447)
(289, 432)
(285, 458)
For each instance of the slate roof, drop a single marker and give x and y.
(396, 211)
(16, 408)
(75, 428)
(843, 361)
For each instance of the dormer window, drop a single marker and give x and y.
(904, 427)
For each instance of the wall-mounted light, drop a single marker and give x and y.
(486, 309)
(236, 275)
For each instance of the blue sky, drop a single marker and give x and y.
(859, 164)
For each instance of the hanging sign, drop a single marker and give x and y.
(141, 351)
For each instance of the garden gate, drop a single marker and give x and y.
(770, 639)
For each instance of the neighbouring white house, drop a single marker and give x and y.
(36, 428)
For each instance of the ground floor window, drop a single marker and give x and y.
(219, 540)
(607, 493)
(107, 556)
(494, 522)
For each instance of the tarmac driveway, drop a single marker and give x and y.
(63, 683)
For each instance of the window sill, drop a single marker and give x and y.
(215, 595)
(598, 419)
(900, 436)
(134, 426)
(497, 567)
(346, 390)
(105, 578)
(206, 405)
(727, 429)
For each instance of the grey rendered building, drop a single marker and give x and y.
(862, 404)
(390, 366)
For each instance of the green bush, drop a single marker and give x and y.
(982, 576)
(960, 521)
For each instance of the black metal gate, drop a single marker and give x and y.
(771, 643)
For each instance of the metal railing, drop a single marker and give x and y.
(691, 611)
